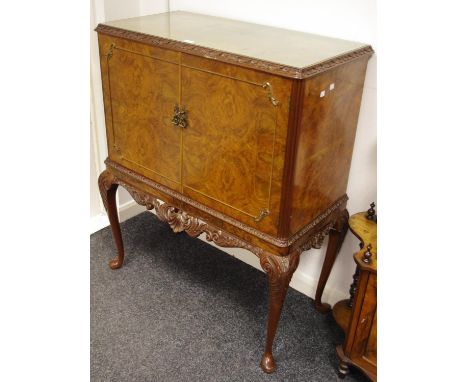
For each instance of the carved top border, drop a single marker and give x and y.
(237, 59)
(279, 242)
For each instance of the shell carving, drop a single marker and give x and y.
(180, 221)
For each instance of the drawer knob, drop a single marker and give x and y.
(180, 116)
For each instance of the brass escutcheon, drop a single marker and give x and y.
(180, 117)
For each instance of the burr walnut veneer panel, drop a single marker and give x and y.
(242, 133)
(325, 140)
(142, 88)
(249, 144)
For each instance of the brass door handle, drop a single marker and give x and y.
(267, 86)
(180, 117)
(264, 212)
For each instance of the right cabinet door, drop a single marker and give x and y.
(229, 144)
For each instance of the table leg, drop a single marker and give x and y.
(336, 237)
(279, 270)
(343, 368)
(108, 190)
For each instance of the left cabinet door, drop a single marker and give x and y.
(141, 88)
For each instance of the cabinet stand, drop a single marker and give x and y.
(279, 269)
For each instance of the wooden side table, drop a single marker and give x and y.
(357, 316)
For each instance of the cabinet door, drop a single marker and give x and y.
(229, 143)
(142, 91)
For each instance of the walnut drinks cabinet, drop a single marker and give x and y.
(239, 131)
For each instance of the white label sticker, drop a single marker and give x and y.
(332, 86)
(322, 93)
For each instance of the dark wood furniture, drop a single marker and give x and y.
(239, 131)
(358, 315)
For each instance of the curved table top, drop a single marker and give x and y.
(366, 231)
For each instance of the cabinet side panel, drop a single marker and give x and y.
(325, 140)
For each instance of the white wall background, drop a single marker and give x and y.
(347, 19)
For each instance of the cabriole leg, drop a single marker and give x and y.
(108, 190)
(336, 237)
(279, 271)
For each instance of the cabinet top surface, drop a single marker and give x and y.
(280, 46)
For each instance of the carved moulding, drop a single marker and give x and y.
(312, 228)
(237, 59)
(316, 240)
(337, 223)
(179, 220)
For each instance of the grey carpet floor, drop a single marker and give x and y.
(182, 310)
